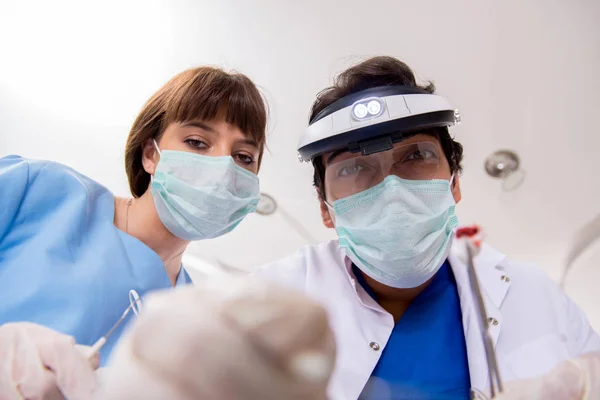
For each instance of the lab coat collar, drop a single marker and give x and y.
(486, 263)
(494, 286)
(363, 297)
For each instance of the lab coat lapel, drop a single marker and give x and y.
(494, 288)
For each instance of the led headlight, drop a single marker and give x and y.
(367, 108)
(360, 111)
(374, 107)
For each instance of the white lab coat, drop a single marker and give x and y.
(534, 324)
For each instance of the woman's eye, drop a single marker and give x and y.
(198, 144)
(245, 159)
(350, 170)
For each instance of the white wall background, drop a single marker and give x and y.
(524, 73)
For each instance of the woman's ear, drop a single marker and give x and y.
(456, 189)
(150, 156)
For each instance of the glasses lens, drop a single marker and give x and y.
(348, 174)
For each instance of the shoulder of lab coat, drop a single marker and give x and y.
(533, 323)
(309, 261)
(532, 291)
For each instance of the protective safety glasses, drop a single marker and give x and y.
(350, 173)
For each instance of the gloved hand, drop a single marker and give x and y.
(39, 363)
(576, 379)
(235, 339)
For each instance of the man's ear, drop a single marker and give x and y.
(150, 157)
(456, 189)
(325, 214)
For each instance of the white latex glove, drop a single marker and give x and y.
(225, 340)
(576, 379)
(39, 363)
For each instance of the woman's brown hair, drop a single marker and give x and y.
(203, 93)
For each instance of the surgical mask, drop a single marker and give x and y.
(200, 197)
(398, 232)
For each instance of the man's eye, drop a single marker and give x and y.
(350, 170)
(421, 155)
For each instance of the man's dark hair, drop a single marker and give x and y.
(371, 73)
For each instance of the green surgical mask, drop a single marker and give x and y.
(398, 232)
(200, 197)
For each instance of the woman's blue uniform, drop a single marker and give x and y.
(63, 262)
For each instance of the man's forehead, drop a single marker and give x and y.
(420, 137)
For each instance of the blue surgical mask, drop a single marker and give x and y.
(398, 232)
(199, 197)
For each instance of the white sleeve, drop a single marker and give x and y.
(582, 337)
(289, 272)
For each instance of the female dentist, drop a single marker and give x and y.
(70, 251)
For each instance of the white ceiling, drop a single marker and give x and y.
(524, 75)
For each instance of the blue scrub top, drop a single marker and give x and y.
(426, 354)
(63, 263)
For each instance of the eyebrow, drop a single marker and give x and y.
(200, 125)
(250, 142)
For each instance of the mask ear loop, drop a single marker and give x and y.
(156, 146)
(159, 154)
